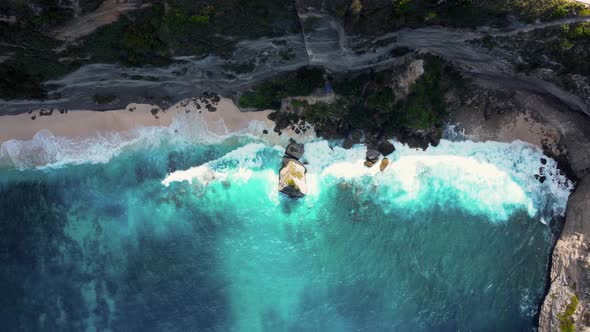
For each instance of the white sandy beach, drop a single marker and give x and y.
(227, 119)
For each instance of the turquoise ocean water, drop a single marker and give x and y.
(178, 235)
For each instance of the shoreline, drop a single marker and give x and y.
(226, 119)
(58, 137)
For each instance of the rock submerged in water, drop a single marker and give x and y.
(292, 178)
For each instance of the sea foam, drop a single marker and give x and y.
(491, 178)
(47, 150)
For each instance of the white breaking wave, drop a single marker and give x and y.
(48, 150)
(491, 178)
(238, 164)
(51, 151)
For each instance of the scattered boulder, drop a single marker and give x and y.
(46, 112)
(384, 164)
(373, 155)
(386, 148)
(347, 144)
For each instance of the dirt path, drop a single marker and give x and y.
(108, 12)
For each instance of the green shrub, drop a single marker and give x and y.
(268, 94)
(104, 99)
(566, 319)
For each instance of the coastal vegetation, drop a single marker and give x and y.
(560, 54)
(27, 61)
(565, 48)
(364, 100)
(375, 17)
(566, 319)
(151, 36)
(268, 95)
(104, 99)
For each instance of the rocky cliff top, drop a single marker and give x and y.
(567, 306)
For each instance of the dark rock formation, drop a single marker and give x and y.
(347, 143)
(294, 150)
(373, 155)
(386, 148)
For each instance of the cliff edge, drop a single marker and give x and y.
(567, 305)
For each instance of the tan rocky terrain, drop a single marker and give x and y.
(567, 303)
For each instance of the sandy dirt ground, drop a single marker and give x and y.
(108, 12)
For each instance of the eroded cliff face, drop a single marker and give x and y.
(567, 306)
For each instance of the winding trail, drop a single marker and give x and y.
(108, 12)
(323, 43)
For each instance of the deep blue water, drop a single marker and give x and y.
(433, 244)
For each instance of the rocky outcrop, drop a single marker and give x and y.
(567, 306)
(294, 150)
(386, 148)
(414, 70)
(372, 157)
(292, 178)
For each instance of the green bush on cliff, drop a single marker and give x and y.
(377, 17)
(30, 60)
(268, 94)
(566, 319)
(425, 107)
(169, 28)
(104, 99)
(367, 101)
(565, 49)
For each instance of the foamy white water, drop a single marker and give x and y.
(491, 178)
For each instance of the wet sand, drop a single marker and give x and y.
(225, 120)
(80, 123)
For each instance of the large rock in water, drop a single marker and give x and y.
(373, 155)
(567, 305)
(294, 150)
(386, 148)
(292, 180)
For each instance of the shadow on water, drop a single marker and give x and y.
(82, 252)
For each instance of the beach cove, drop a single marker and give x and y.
(185, 207)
